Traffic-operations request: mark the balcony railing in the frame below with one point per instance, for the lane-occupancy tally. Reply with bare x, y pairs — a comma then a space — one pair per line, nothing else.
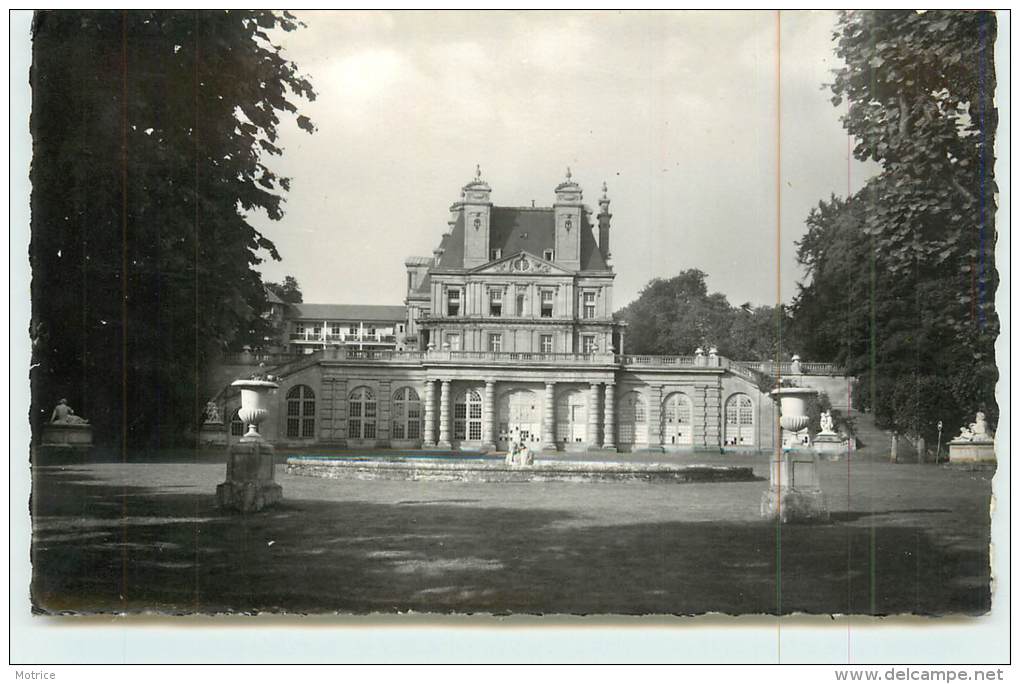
786, 368
511, 358
672, 361
335, 339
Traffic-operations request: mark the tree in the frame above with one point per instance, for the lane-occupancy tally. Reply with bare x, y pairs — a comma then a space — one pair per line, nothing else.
900, 278
289, 291
677, 315
152, 132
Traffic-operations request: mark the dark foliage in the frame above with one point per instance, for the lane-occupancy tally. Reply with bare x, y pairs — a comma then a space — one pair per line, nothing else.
901, 277
151, 131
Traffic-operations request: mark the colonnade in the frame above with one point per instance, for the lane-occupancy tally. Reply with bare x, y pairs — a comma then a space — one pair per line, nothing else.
606, 439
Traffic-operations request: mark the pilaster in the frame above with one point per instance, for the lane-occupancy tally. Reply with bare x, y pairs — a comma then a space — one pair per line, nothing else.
593, 416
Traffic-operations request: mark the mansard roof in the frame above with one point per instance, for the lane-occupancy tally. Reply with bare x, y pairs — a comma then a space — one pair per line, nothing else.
521, 229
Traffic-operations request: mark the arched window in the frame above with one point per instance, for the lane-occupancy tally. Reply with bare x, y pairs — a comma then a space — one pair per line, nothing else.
739, 421
236, 426
467, 416
677, 413
301, 412
633, 427
361, 412
406, 414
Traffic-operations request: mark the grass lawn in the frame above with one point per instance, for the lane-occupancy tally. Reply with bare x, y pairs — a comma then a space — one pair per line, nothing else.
146, 536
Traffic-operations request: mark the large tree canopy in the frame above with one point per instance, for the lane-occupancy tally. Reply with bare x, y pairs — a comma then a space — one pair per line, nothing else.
151, 134
677, 315
901, 280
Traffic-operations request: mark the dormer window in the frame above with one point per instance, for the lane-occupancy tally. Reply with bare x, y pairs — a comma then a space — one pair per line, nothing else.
495, 254
453, 303
549, 255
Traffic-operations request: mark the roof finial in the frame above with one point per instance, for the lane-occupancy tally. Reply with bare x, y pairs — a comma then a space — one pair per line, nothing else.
605, 190
569, 175
478, 172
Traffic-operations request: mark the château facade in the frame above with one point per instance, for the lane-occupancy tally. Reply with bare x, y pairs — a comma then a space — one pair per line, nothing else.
510, 330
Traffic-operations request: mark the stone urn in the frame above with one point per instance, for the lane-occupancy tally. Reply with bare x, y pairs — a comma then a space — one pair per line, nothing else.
794, 408
795, 491
254, 405
250, 485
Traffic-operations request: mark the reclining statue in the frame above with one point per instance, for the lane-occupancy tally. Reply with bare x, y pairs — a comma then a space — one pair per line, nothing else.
64, 415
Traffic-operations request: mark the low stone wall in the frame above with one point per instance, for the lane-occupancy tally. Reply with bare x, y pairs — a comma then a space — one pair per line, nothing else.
482, 471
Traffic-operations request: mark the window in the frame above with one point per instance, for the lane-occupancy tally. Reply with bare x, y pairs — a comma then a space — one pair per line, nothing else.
453, 341
547, 344
301, 412
361, 412
549, 255
400, 328
334, 329
406, 414
739, 421
317, 331
236, 426
352, 331
589, 304
467, 416
676, 420
495, 254
453, 303
520, 304
495, 342
587, 344
495, 302
547, 304
299, 328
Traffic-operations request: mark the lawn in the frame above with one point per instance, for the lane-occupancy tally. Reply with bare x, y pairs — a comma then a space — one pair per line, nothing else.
146, 536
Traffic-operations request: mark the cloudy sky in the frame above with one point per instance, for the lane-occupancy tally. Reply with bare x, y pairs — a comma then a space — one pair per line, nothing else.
676, 111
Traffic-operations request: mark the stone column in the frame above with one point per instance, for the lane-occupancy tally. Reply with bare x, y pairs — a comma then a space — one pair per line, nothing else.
444, 415
430, 413
489, 416
655, 419
549, 418
593, 416
609, 418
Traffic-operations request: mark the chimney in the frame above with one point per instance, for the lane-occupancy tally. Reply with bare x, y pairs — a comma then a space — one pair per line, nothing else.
604, 217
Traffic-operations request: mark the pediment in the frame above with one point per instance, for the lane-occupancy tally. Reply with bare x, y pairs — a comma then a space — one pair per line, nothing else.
522, 263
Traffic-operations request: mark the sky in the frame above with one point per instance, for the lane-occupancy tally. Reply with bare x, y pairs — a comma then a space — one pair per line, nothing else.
675, 111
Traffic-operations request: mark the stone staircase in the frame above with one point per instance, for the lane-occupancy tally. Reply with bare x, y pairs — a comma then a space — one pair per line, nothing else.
874, 443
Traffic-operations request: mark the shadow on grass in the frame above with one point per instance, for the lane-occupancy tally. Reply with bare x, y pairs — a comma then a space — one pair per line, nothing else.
101, 548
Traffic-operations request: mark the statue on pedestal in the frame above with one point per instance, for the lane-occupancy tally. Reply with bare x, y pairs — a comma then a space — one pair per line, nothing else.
976, 431
212, 413
64, 415
827, 424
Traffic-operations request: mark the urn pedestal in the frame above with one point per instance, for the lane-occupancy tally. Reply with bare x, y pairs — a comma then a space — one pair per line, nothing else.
795, 491
251, 483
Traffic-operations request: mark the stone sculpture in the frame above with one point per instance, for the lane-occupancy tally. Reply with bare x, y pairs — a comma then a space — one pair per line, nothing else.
64, 415
827, 424
212, 412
